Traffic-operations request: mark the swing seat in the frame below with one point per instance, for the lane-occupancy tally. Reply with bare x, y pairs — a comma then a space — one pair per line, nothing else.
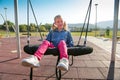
75, 51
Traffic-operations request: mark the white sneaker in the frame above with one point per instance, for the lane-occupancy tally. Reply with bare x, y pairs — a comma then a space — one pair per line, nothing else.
31, 61
63, 64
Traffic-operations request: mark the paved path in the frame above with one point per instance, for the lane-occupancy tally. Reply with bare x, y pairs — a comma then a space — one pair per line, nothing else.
105, 43
94, 66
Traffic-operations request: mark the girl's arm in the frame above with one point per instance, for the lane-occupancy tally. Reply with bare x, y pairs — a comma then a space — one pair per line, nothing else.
49, 36
69, 40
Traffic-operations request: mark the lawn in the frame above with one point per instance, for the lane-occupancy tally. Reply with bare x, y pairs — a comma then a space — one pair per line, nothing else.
12, 34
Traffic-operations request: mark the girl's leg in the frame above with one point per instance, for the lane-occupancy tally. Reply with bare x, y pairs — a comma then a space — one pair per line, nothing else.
63, 63
63, 49
33, 61
42, 48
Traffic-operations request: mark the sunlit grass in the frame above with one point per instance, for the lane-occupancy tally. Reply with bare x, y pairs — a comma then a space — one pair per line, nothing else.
13, 34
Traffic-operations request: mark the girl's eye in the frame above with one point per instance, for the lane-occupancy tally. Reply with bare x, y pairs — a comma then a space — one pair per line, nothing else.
57, 21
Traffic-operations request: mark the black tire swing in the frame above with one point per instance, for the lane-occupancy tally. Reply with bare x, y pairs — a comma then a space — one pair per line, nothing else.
77, 50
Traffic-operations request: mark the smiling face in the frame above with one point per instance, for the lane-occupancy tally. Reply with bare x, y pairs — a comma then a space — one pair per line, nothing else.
58, 22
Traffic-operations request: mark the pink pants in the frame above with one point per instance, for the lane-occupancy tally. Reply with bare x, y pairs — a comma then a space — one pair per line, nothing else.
43, 47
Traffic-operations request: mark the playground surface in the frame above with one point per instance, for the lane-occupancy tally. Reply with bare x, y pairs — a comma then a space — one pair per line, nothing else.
94, 66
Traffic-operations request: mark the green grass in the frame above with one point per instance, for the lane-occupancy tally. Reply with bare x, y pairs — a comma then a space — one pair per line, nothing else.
89, 33
4, 33
13, 34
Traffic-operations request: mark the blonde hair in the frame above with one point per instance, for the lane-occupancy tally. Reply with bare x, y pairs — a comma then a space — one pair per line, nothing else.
65, 27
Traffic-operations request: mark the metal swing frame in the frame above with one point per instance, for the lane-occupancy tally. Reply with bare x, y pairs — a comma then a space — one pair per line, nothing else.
57, 71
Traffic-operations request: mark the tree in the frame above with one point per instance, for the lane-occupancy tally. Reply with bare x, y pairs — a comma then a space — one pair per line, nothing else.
23, 27
9, 26
42, 28
108, 31
32, 27
8, 23
48, 26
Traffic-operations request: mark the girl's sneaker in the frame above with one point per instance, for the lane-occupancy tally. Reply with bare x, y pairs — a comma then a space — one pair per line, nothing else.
31, 61
63, 64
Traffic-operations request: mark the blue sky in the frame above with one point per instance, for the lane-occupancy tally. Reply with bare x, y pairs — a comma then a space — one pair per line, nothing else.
73, 11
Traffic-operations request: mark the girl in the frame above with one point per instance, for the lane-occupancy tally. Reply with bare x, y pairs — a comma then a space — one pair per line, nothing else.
58, 37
